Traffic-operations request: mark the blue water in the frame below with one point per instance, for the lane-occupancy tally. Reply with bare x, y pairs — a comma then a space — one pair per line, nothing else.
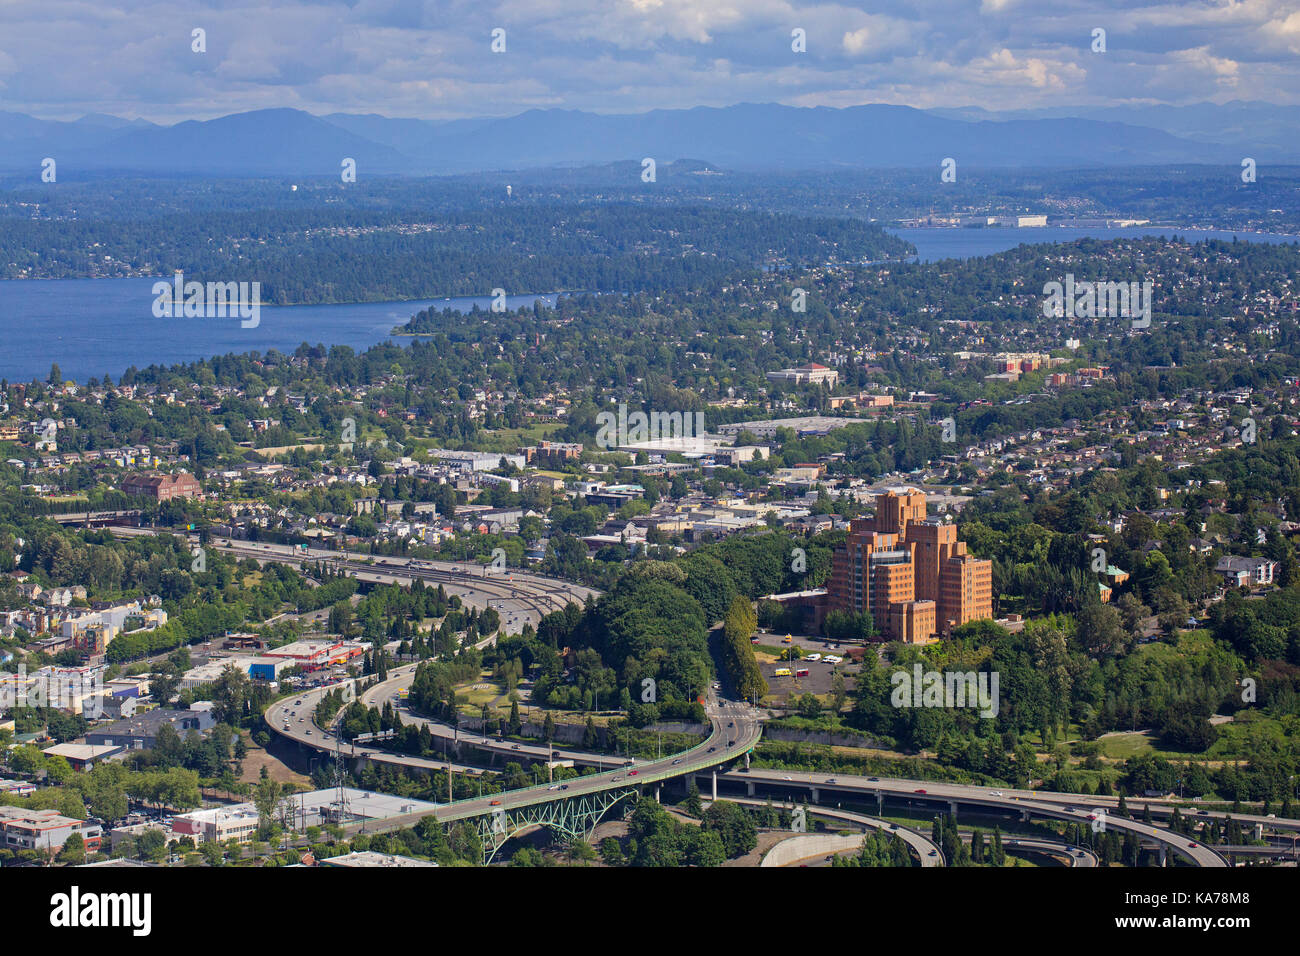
95, 327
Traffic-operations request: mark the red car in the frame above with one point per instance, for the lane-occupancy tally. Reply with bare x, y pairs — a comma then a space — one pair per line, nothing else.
918, 791
633, 773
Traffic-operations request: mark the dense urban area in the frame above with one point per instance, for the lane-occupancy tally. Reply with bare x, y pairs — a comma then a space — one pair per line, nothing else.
770, 545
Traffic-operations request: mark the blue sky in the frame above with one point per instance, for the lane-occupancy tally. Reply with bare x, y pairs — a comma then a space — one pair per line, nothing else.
63, 58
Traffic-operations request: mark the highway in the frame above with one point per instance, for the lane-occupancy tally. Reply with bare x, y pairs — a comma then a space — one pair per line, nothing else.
1026, 803
1073, 855
735, 728
519, 596
401, 676
926, 851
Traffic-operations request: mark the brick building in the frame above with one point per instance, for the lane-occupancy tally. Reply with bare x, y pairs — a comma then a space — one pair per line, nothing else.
909, 571
162, 487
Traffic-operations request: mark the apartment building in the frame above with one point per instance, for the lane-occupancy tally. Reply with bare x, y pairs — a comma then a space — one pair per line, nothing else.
909, 571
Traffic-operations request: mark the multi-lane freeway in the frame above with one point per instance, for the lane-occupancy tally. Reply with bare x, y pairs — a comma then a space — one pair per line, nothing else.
1028, 804
518, 596
926, 851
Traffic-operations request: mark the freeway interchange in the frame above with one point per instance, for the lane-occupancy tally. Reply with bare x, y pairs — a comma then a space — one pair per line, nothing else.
734, 727
734, 730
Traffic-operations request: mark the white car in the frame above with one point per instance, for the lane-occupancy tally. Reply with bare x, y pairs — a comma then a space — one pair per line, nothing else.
831, 659
814, 658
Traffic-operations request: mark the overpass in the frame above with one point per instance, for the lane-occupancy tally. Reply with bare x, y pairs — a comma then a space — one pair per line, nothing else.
99, 519
572, 807
954, 795
926, 850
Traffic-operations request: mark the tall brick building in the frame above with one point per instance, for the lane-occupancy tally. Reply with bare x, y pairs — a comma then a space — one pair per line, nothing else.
909, 571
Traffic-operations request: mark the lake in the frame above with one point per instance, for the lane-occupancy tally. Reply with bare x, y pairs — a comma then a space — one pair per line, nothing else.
96, 327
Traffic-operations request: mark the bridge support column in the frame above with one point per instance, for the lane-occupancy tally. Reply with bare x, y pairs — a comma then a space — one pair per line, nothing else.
657, 793
1164, 854
1024, 816
715, 785
815, 798
749, 787
952, 807
746, 759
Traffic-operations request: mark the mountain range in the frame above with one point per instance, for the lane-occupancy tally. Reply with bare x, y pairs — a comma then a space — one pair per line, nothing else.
289, 142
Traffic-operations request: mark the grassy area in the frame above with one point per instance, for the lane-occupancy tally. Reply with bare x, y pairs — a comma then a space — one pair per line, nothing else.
1123, 746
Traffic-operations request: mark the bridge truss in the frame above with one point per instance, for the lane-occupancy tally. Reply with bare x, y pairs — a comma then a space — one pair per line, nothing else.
572, 819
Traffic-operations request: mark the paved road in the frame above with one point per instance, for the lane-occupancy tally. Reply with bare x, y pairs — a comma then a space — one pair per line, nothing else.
1073, 855
1029, 805
402, 676
735, 728
929, 854
519, 596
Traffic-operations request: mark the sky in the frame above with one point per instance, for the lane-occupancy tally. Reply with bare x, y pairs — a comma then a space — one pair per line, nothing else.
432, 59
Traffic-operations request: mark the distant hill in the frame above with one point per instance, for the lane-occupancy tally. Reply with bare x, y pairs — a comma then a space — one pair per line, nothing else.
747, 136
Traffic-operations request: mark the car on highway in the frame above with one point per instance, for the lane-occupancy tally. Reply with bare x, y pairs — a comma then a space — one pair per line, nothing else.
998, 793
831, 780
1192, 845
494, 803
874, 779
515, 747
787, 778
674, 763
564, 786
731, 743
286, 726
731, 723
711, 749
556, 787
933, 853
633, 773
309, 733
918, 791
616, 779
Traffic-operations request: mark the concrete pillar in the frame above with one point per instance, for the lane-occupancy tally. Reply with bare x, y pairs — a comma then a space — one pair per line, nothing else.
952, 807
814, 795
1024, 816
749, 788
715, 785
656, 793
1164, 852
746, 759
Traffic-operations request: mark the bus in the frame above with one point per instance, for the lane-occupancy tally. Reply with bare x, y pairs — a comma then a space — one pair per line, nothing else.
781, 672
